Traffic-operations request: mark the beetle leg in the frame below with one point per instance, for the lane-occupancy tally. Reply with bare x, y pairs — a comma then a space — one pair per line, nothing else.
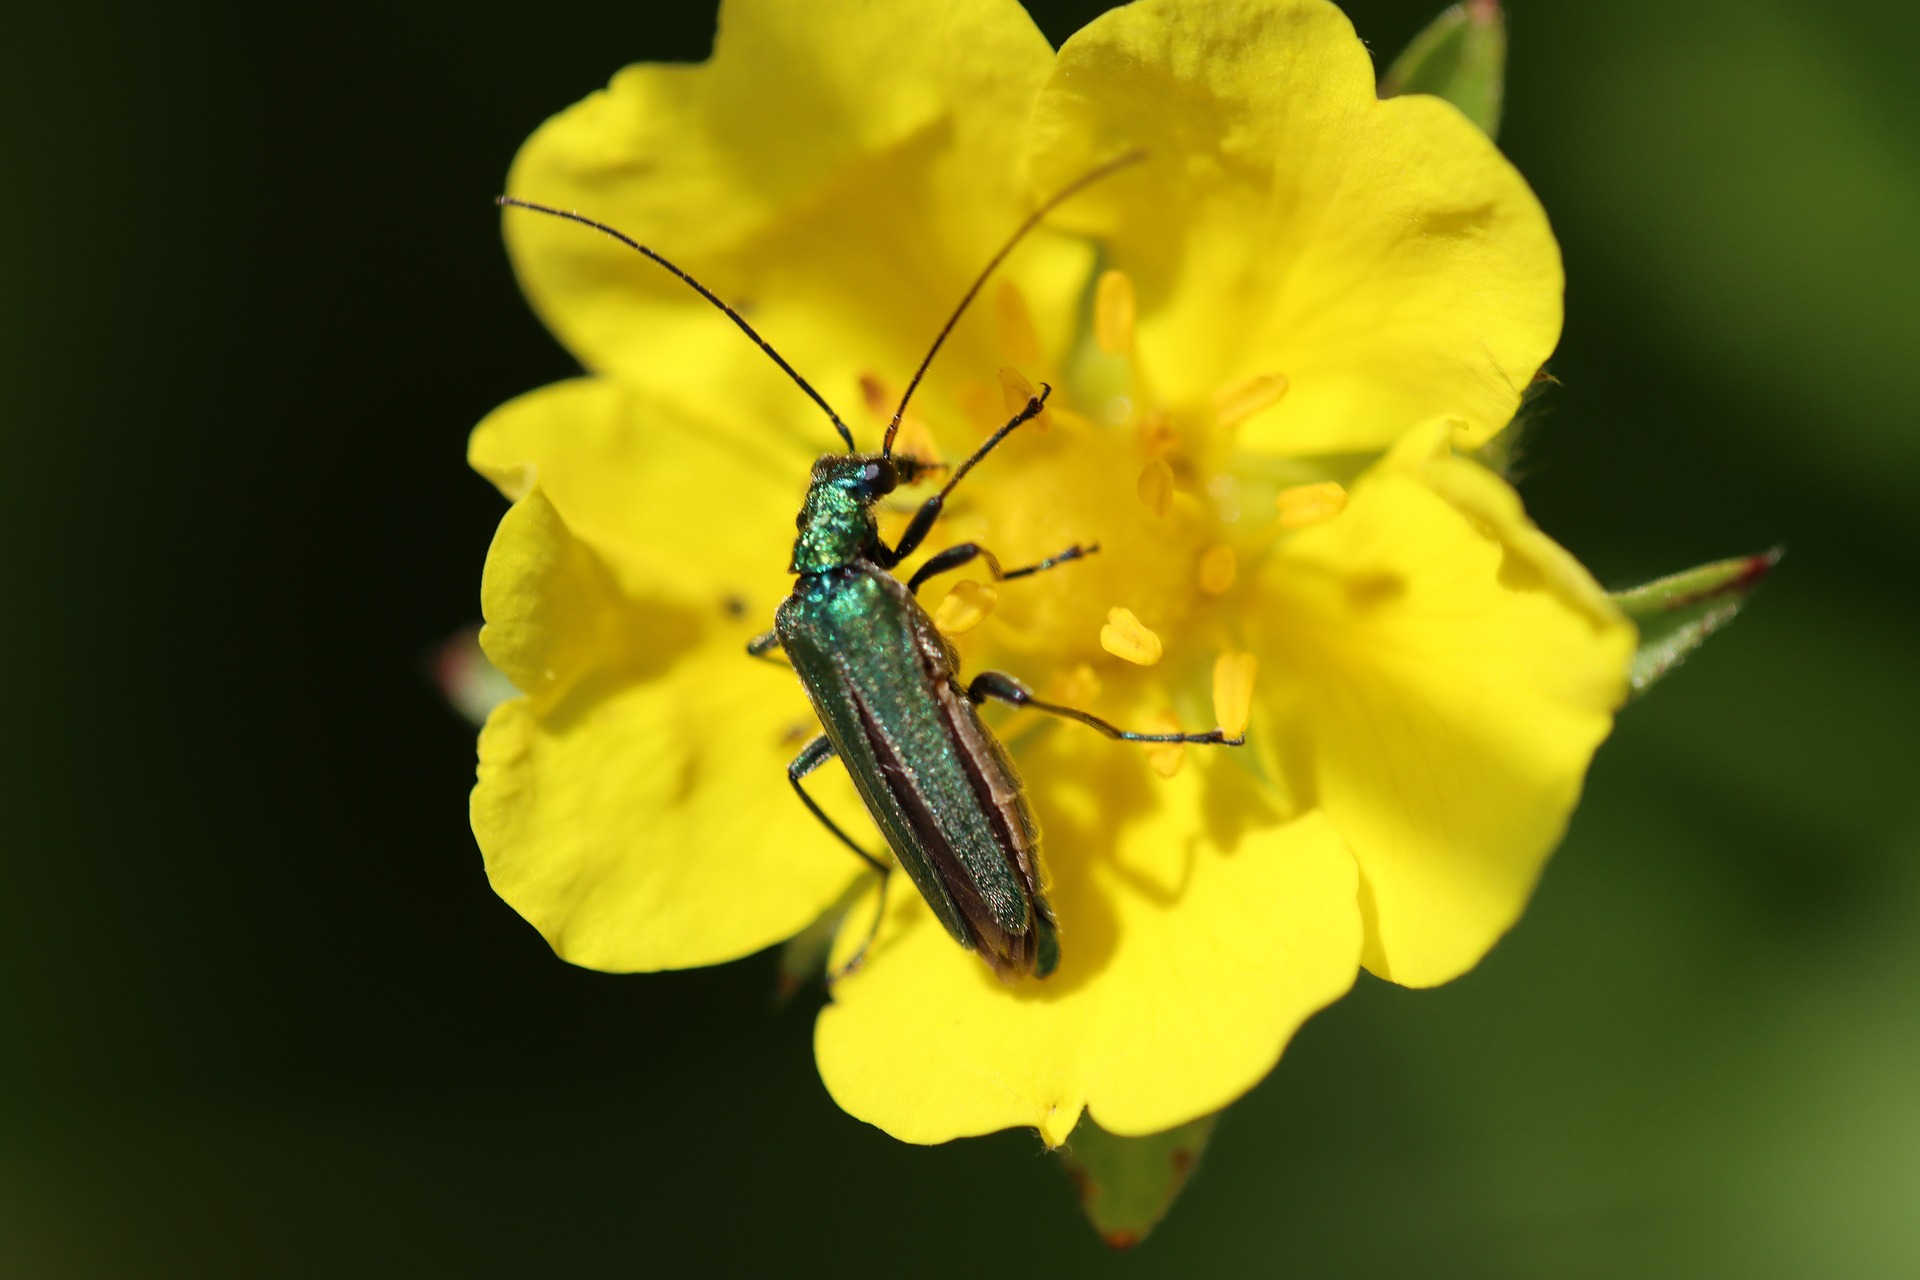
1002, 687
953, 557
873, 931
762, 645
930, 509
811, 757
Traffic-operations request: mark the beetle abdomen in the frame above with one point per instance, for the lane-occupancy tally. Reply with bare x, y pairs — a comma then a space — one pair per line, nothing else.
937, 784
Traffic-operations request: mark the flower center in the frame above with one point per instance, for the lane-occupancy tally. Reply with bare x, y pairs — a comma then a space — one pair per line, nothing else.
1079, 484
1105, 467
1152, 618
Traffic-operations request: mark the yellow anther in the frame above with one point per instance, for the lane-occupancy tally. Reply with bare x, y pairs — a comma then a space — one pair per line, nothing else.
1218, 568
1165, 757
1113, 313
916, 441
980, 402
877, 395
1077, 687
1306, 504
1157, 433
1016, 391
1019, 340
965, 607
1125, 636
1238, 401
1233, 675
1155, 486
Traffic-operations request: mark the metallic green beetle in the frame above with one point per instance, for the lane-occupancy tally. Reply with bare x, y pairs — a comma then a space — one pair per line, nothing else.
886, 684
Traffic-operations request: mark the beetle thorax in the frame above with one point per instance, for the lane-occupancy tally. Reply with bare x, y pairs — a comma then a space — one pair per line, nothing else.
836, 521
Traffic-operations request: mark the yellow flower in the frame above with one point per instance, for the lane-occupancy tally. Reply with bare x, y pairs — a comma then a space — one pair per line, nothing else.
1269, 338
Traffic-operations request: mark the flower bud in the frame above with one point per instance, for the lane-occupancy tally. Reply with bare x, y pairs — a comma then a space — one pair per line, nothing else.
1462, 57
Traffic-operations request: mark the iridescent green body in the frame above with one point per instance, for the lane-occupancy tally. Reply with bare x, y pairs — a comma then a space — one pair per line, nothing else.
885, 684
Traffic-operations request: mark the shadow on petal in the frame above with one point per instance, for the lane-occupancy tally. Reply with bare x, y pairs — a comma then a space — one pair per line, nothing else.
645, 639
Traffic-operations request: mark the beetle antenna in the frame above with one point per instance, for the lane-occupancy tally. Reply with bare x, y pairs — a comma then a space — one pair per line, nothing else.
845, 435
1047, 206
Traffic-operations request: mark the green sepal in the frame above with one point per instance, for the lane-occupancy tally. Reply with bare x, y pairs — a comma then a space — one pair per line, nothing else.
803, 957
1677, 613
1505, 453
471, 685
1126, 1185
1462, 57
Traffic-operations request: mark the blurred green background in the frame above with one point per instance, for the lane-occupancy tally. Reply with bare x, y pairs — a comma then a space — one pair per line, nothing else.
263, 1016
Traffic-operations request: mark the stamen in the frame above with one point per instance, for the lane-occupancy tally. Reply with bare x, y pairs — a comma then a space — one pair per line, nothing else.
1017, 391
1077, 687
1019, 340
1218, 568
965, 607
1165, 757
1306, 504
1125, 636
980, 403
1157, 433
878, 398
1114, 311
1155, 486
916, 441
1233, 675
1238, 401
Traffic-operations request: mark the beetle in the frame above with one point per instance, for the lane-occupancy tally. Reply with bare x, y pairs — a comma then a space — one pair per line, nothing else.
885, 683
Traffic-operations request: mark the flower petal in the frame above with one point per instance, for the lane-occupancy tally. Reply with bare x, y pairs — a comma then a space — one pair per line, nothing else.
683, 501
838, 170
632, 806
551, 606
1197, 935
1382, 257
1444, 673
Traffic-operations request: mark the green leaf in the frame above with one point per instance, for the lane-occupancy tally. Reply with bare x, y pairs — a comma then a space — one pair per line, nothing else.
1127, 1184
1677, 613
1462, 57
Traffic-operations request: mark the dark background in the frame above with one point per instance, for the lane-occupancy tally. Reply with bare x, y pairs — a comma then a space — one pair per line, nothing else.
262, 1015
